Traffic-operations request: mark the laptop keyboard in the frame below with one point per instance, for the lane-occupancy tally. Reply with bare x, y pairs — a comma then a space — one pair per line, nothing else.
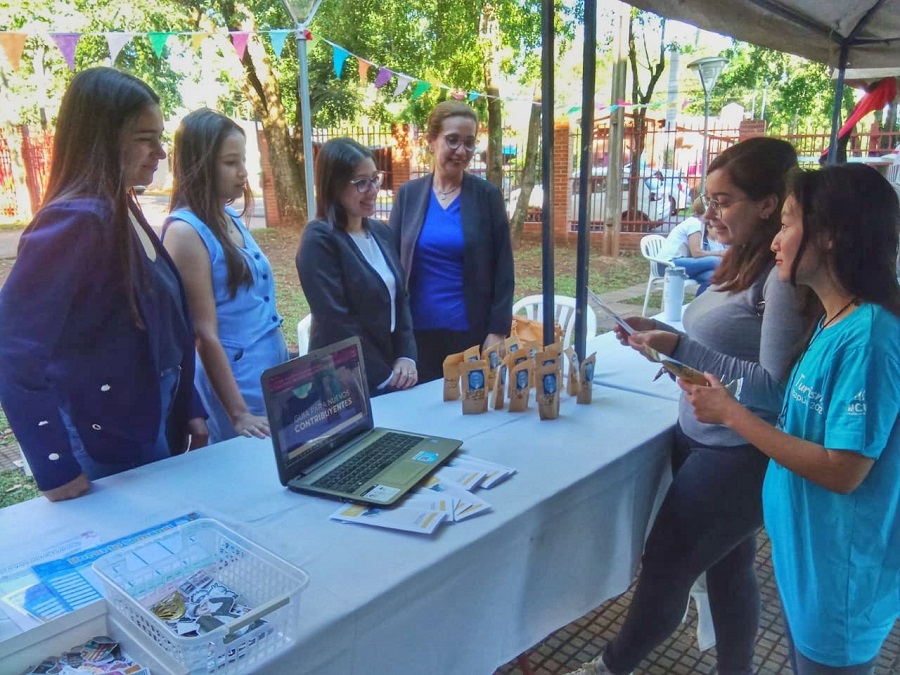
365, 465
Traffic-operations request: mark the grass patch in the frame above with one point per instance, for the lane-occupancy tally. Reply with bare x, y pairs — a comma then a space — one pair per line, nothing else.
12, 227
16, 487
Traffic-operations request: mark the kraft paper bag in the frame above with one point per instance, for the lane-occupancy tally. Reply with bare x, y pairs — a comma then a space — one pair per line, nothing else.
451, 376
473, 353
474, 387
520, 385
498, 394
547, 377
492, 356
586, 395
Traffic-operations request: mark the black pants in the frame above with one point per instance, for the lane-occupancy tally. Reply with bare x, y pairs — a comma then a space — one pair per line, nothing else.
433, 346
707, 523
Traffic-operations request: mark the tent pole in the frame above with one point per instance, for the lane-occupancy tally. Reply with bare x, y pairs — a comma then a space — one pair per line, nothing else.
547, 97
836, 110
584, 191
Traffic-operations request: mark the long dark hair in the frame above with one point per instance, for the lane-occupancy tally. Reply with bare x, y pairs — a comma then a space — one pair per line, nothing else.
759, 167
335, 164
87, 158
856, 209
198, 142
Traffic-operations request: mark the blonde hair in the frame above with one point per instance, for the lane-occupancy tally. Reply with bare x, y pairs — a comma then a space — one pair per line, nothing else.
697, 207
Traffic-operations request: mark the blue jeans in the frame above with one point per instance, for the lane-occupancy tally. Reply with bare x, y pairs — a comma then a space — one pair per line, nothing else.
804, 666
699, 269
149, 452
707, 523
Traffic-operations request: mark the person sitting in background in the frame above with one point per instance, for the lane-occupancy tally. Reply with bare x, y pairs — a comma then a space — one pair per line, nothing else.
96, 341
684, 248
229, 282
349, 270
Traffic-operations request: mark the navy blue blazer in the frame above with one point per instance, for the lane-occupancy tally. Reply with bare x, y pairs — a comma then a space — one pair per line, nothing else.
488, 272
348, 297
68, 340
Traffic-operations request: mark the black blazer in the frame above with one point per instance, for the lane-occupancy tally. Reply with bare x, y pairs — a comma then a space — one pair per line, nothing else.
348, 297
488, 275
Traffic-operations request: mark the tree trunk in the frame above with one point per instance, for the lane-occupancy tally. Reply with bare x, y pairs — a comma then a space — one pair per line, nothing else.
490, 34
528, 170
261, 88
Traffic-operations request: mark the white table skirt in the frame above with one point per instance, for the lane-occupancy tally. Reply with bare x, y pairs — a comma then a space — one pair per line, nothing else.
565, 533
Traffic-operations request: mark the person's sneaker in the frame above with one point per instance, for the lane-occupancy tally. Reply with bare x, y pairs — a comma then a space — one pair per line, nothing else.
595, 667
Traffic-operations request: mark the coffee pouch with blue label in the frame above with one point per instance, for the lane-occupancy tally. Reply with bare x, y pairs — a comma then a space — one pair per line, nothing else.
586, 395
520, 376
573, 383
451, 376
547, 394
474, 386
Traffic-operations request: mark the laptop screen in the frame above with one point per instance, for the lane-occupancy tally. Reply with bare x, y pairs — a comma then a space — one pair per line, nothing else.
317, 404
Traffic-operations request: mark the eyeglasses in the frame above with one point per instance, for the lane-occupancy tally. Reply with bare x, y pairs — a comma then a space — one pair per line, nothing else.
716, 206
453, 141
362, 184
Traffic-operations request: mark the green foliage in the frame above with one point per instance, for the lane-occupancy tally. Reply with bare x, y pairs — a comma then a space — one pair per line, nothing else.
799, 93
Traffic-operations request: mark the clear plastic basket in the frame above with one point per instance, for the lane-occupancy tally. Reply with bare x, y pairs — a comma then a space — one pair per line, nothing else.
154, 567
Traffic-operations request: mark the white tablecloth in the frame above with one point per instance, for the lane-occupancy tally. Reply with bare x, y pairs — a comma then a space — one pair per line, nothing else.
565, 533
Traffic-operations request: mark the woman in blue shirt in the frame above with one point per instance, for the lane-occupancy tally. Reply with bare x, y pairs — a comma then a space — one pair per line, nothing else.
228, 279
96, 342
452, 235
832, 494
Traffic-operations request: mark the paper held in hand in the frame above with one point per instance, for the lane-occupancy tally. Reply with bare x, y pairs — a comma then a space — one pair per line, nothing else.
610, 312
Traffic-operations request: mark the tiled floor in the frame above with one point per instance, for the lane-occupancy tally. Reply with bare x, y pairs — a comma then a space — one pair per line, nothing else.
583, 639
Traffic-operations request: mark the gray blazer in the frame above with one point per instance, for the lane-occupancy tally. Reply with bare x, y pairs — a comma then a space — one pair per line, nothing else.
488, 274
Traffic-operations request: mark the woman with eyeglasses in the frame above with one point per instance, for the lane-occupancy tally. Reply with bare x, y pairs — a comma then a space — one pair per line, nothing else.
832, 492
349, 270
452, 235
743, 329
228, 279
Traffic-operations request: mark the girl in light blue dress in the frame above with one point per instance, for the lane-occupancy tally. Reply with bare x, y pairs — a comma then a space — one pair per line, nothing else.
229, 282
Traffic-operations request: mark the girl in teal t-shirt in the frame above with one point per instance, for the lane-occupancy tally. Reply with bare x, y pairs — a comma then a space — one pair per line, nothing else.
832, 494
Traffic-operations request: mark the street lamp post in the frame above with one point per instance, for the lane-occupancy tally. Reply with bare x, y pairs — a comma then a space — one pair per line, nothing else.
708, 70
301, 13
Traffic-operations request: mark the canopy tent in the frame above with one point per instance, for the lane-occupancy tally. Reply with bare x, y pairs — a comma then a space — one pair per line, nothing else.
857, 33
813, 29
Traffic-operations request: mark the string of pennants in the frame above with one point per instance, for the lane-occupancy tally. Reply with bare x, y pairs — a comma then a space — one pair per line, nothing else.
13, 45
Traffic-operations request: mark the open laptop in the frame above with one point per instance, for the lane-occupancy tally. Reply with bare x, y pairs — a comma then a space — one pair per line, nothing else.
324, 436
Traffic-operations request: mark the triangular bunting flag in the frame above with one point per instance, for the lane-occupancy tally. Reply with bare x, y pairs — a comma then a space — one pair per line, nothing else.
458, 95
278, 37
473, 96
197, 40
402, 83
239, 40
383, 76
421, 88
116, 41
363, 69
313, 40
158, 41
340, 55
67, 42
13, 44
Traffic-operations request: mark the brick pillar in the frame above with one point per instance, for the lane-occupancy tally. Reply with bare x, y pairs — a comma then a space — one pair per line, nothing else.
273, 216
750, 128
562, 185
401, 156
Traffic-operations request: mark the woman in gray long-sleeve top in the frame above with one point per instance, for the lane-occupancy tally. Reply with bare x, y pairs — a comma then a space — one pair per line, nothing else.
744, 328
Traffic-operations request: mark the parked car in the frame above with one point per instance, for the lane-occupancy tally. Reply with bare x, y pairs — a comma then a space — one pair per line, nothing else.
659, 196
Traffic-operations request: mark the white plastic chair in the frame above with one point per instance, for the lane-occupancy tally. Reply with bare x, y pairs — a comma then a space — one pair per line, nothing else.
564, 314
651, 245
303, 334
893, 171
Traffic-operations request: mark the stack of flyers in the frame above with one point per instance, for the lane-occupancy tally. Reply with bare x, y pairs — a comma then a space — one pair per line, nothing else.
423, 520
444, 496
493, 473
